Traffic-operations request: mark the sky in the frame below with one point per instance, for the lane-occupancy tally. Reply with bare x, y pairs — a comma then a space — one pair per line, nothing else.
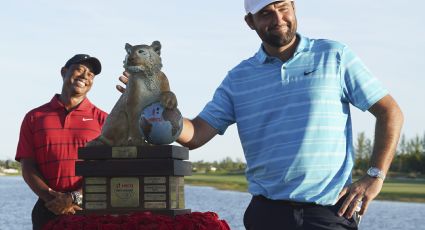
201, 41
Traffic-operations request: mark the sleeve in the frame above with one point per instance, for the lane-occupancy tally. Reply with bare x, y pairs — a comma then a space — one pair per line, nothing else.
25, 147
360, 87
102, 118
219, 112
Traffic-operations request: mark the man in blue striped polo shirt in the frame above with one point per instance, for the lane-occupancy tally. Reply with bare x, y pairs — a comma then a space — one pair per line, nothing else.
290, 102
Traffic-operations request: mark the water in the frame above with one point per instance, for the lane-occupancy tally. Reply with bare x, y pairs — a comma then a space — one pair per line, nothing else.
17, 200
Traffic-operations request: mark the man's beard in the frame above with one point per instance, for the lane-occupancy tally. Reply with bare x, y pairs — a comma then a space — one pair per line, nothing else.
280, 40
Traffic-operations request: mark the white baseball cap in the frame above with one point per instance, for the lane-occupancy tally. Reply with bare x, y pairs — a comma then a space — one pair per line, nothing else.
253, 6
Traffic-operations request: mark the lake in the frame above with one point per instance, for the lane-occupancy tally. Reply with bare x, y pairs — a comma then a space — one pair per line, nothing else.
17, 200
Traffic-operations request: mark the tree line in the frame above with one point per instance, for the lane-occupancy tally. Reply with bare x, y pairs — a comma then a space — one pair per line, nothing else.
226, 165
10, 164
409, 157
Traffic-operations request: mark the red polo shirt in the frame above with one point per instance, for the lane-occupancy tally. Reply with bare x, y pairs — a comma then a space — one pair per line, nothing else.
52, 136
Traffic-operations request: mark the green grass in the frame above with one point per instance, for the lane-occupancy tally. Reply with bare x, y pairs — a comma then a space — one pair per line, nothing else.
403, 190
407, 190
220, 181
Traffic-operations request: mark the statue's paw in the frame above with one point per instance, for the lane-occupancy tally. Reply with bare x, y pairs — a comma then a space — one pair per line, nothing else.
169, 100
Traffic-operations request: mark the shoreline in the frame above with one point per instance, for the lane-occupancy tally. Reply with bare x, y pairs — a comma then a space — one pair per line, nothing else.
10, 174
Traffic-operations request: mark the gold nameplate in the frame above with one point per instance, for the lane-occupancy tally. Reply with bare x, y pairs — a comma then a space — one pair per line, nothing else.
95, 205
125, 192
155, 196
124, 152
154, 188
95, 180
95, 197
95, 188
153, 205
155, 180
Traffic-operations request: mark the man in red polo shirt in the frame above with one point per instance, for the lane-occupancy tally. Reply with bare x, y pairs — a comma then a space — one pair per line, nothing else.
50, 137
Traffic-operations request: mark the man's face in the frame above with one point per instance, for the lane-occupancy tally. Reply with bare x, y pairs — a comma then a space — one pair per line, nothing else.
276, 24
78, 79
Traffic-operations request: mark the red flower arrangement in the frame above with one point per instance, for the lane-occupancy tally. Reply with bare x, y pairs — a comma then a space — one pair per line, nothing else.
139, 221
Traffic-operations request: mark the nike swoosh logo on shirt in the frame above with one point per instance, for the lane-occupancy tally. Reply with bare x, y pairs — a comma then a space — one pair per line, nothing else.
307, 72
87, 119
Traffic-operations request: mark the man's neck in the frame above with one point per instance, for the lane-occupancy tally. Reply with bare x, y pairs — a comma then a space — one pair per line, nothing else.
70, 102
284, 53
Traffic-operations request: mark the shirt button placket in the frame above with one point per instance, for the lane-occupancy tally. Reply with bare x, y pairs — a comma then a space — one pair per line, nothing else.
284, 75
67, 120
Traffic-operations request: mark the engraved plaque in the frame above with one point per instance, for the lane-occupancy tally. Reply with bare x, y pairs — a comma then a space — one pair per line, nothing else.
155, 205
125, 192
155, 180
154, 188
95, 180
95, 197
95, 205
124, 152
155, 196
95, 188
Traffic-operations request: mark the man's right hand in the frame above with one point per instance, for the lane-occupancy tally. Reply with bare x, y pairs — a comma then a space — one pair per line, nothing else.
124, 80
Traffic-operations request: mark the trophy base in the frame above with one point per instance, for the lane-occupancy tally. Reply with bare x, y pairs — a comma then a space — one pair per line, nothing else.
123, 180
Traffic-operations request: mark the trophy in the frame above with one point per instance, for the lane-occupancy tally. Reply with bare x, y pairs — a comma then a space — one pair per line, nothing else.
131, 166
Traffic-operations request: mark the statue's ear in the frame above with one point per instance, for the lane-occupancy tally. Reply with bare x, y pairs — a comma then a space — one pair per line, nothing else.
156, 45
128, 48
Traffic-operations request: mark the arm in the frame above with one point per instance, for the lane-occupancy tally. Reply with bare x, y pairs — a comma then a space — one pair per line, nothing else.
389, 120
56, 202
34, 179
196, 133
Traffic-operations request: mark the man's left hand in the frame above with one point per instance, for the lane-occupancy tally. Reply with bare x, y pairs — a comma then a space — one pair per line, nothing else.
359, 194
72, 209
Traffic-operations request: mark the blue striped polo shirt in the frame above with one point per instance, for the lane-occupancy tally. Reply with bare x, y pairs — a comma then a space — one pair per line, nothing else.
293, 118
